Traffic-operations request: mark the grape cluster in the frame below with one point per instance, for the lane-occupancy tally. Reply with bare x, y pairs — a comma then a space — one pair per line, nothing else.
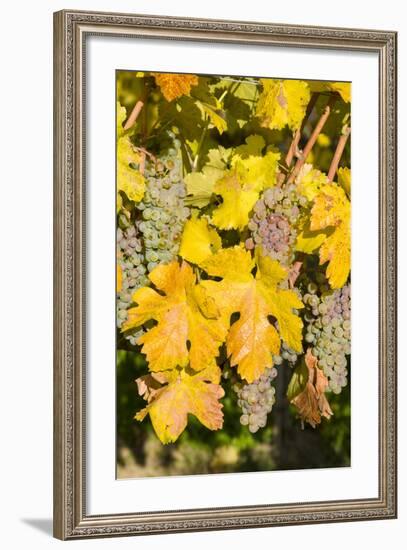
286, 354
130, 258
256, 400
328, 330
163, 210
272, 225
149, 233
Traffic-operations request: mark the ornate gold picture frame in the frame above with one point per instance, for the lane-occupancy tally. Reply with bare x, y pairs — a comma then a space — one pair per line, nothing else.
71, 31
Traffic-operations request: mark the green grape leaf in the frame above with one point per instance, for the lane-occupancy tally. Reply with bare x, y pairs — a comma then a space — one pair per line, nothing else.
298, 380
215, 115
184, 115
200, 185
237, 111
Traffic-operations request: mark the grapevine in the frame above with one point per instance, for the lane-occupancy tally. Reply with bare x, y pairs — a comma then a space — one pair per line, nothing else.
233, 247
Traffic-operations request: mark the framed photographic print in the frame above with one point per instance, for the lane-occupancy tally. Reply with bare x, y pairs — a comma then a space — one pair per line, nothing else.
225, 274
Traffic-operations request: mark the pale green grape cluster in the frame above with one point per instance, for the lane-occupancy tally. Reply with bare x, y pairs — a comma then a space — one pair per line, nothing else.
328, 330
130, 258
163, 210
256, 400
149, 233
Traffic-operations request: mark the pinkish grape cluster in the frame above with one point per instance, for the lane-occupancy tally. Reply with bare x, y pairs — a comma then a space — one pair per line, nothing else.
272, 225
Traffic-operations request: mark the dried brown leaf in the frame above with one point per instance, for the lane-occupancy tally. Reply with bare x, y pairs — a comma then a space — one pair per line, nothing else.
312, 403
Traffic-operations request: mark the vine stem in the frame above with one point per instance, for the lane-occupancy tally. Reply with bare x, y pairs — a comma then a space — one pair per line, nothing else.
294, 273
313, 138
338, 153
147, 153
200, 144
142, 165
297, 136
186, 154
293, 147
134, 115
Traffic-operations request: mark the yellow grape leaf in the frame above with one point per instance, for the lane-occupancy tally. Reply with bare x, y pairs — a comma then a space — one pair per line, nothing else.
119, 202
121, 115
200, 184
344, 179
215, 116
343, 88
309, 241
198, 241
185, 315
336, 251
257, 171
200, 187
173, 86
119, 278
331, 209
309, 181
183, 393
129, 179
240, 188
253, 339
253, 147
282, 103
312, 403
238, 201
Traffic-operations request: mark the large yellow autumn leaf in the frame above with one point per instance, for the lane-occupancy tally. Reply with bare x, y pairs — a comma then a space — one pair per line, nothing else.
331, 209
253, 339
189, 327
183, 393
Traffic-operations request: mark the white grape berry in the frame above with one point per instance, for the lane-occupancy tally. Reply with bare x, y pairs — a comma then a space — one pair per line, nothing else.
256, 400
